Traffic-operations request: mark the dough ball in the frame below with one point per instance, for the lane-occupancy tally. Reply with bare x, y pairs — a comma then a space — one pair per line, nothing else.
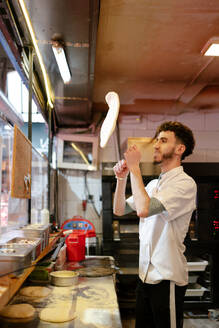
60, 313
18, 311
35, 291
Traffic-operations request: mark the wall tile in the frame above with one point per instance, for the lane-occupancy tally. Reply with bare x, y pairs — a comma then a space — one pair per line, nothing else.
141, 133
108, 154
199, 155
153, 121
141, 125
195, 121
110, 142
212, 155
207, 139
211, 121
72, 192
124, 134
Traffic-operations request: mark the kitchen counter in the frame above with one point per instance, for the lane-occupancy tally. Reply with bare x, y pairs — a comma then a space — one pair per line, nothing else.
96, 306
95, 302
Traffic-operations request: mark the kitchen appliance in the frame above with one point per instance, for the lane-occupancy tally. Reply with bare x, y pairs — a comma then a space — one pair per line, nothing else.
79, 225
75, 247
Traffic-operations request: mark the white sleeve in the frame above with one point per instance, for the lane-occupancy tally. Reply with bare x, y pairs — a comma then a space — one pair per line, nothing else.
130, 202
178, 198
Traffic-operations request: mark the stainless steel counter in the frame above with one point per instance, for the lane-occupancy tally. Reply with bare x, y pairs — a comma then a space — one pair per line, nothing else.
95, 302
96, 306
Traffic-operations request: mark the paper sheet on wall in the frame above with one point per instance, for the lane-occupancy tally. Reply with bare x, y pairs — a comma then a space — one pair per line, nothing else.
21, 166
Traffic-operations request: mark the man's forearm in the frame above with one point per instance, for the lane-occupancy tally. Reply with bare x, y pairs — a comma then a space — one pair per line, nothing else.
119, 197
141, 198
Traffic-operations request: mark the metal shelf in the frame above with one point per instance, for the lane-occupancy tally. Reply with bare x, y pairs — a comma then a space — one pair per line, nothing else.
9, 284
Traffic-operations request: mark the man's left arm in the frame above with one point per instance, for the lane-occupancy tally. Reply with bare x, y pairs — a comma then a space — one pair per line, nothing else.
141, 197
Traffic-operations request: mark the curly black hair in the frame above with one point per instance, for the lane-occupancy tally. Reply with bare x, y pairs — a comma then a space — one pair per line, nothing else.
182, 133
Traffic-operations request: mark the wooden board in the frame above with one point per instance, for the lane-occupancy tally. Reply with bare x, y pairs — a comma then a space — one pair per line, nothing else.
21, 167
145, 146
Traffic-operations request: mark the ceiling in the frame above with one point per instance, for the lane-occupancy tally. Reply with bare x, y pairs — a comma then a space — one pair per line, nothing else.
149, 52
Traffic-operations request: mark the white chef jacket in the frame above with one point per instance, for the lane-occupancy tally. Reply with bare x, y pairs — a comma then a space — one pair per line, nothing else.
161, 255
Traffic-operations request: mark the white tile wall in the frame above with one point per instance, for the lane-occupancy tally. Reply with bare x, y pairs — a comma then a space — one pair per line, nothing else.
134, 125
194, 121
72, 191
143, 133
197, 156
207, 139
212, 155
107, 154
153, 121
211, 121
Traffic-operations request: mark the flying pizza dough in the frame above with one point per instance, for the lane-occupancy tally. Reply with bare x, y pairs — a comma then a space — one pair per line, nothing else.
108, 126
35, 291
60, 313
18, 311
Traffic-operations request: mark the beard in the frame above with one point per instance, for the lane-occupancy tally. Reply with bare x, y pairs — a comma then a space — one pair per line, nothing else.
166, 156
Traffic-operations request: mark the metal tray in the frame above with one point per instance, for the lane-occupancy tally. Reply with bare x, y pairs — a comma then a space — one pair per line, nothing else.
37, 231
14, 257
36, 243
197, 264
195, 290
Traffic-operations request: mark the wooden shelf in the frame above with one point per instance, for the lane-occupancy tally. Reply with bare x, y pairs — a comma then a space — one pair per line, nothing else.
10, 284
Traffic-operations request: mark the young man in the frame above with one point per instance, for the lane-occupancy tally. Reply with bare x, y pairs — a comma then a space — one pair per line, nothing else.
164, 207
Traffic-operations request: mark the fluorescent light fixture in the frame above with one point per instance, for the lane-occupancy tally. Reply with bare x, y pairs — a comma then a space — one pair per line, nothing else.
80, 152
211, 48
33, 37
130, 119
62, 63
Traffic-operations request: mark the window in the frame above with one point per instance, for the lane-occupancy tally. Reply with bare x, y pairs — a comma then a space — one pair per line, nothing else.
17, 93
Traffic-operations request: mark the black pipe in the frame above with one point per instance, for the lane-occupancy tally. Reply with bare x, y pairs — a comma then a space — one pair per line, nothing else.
30, 113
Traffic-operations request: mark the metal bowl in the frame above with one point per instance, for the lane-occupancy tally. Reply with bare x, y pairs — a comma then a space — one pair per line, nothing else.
64, 278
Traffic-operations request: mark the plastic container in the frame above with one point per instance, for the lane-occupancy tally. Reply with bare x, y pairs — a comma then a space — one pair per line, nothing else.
75, 243
44, 216
34, 216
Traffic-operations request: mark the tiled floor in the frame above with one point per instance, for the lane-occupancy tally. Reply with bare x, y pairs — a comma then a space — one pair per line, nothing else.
200, 323
128, 321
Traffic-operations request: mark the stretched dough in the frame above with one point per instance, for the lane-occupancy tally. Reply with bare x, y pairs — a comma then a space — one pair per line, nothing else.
60, 313
18, 311
35, 291
108, 126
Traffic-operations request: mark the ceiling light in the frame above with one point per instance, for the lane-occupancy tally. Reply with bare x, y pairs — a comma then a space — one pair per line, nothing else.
33, 37
130, 119
211, 48
61, 61
80, 152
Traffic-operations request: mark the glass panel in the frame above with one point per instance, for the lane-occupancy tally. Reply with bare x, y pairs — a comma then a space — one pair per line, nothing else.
39, 188
77, 152
14, 211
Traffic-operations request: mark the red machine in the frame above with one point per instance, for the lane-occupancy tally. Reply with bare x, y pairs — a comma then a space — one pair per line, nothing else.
81, 235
